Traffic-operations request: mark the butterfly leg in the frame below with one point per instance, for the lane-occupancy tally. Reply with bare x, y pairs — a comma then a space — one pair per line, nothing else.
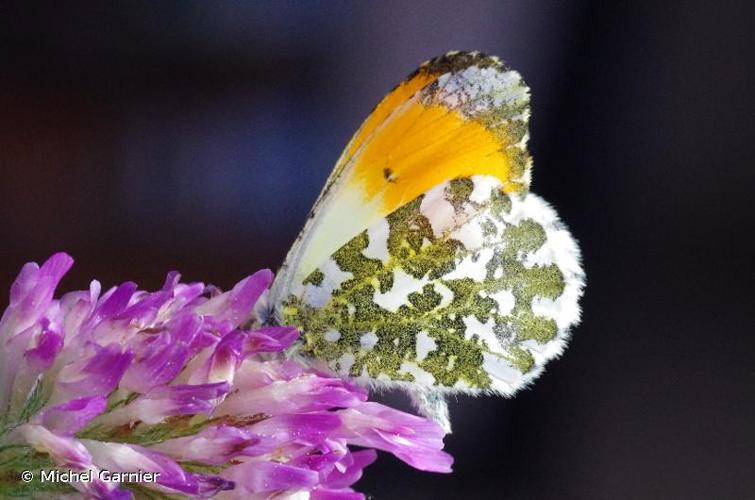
432, 404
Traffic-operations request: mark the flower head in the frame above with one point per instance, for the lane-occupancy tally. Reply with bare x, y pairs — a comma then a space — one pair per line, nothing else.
177, 383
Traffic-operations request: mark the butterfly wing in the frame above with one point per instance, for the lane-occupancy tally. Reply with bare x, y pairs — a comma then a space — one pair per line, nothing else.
458, 115
465, 287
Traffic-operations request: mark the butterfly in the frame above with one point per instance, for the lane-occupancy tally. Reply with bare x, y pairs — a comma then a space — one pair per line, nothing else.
426, 263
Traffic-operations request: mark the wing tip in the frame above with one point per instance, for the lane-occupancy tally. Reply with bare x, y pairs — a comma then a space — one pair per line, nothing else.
458, 60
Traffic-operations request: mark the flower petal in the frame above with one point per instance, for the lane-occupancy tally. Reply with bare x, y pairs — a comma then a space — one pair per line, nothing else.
264, 476
49, 344
307, 428
167, 401
96, 375
415, 440
236, 306
303, 394
222, 363
328, 494
114, 302
32, 292
69, 418
270, 339
102, 490
119, 457
158, 359
354, 464
213, 445
65, 451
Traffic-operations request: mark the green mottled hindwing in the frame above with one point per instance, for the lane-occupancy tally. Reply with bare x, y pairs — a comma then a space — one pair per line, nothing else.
463, 288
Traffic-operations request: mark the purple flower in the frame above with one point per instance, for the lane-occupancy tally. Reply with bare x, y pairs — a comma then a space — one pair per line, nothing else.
263, 476
65, 451
130, 458
30, 298
167, 401
97, 374
215, 445
69, 418
415, 440
32, 292
182, 383
236, 306
305, 393
160, 357
49, 342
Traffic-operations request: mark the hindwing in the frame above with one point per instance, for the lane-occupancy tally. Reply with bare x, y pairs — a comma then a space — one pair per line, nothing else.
465, 287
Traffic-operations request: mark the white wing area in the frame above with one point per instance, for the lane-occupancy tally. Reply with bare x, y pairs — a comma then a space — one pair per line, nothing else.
560, 249
465, 289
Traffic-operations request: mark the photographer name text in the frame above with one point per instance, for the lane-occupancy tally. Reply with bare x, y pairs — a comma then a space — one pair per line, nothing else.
87, 476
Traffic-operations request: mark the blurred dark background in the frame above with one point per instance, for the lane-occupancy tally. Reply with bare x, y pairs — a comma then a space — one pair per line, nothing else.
144, 137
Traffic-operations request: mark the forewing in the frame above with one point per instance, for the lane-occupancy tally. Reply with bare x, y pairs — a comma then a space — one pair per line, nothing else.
458, 115
465, 287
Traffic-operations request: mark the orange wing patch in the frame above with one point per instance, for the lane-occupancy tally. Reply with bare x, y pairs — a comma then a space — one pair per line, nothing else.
458, 115
398, 96
427, 73
411, 155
